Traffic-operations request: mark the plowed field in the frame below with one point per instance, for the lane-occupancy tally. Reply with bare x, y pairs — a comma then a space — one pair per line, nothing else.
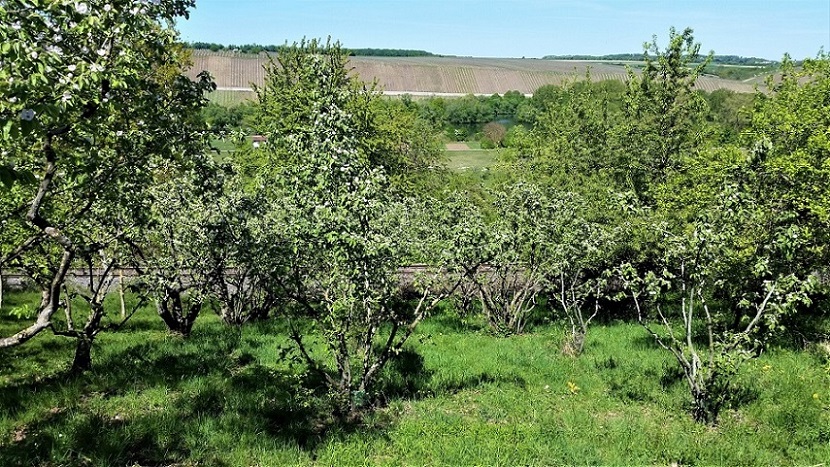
439, 74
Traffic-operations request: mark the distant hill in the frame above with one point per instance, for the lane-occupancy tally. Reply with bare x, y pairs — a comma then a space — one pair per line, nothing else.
716, 59
433, 74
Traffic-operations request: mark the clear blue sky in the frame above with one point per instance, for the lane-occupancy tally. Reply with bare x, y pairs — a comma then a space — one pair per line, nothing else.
516, 28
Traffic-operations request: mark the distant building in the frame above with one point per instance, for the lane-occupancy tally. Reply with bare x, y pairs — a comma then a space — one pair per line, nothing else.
258, 140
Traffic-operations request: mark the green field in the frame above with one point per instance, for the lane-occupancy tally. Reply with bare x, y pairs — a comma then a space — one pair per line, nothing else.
468, 155
229, 396
231, 98
474, 159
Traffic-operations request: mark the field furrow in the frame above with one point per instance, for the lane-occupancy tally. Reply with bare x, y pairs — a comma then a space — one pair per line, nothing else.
440, 74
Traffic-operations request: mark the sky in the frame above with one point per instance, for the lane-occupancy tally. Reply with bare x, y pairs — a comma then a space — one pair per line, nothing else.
520, 28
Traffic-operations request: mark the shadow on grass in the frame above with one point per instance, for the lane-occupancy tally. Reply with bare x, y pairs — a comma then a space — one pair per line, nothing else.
452, 322
166, 399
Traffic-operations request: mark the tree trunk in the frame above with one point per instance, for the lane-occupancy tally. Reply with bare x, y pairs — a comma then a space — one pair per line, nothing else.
704, 408
121, 293
1, 287
172, 312
83, 355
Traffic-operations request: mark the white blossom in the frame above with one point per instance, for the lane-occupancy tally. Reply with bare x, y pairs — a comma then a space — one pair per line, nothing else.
72, 67
82, 8
107, 7
33, 54
16, 25
66, 96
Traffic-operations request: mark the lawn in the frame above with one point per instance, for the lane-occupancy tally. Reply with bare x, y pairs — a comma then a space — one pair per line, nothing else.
470, 156
229, 98
457, 395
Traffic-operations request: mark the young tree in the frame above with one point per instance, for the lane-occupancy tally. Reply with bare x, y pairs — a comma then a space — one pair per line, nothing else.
174, 258
494, 134
92, 103
787, 167
663, 114
781, 167
511, 275
580, 251
236, 277
573, 141
683, 286
331, 231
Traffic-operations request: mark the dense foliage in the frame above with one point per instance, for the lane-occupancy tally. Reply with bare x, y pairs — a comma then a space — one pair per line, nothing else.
94, 110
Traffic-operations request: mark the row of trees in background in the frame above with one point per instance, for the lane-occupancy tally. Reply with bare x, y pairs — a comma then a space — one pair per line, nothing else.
640, 200
634, 57
258, 48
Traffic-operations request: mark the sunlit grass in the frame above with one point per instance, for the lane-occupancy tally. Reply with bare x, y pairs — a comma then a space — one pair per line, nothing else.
473, 159
457, 396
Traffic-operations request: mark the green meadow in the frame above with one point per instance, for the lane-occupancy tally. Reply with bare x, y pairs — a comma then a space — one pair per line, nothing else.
457, 395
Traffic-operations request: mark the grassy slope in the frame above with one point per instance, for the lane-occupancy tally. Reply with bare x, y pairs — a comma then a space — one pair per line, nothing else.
226, 397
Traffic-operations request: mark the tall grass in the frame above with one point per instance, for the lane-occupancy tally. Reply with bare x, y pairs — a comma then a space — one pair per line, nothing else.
457, 395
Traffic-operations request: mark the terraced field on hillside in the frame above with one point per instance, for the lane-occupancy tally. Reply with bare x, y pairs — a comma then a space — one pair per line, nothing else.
439, 74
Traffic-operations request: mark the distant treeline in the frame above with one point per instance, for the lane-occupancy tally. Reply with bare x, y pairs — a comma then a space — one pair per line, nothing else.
717, 59
257, 48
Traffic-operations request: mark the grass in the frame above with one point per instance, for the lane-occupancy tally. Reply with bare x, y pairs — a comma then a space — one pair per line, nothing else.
456, 396
472, 159
224, 146
231, 98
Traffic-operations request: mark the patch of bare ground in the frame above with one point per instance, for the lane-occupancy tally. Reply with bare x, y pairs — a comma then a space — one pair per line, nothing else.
457, 147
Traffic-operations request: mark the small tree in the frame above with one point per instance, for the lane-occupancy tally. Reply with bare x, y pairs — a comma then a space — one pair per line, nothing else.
99, 281
510, 278
663, 114
691, 270
336, 229
456, 237
576, 273
494, 132
174, 260
92, 101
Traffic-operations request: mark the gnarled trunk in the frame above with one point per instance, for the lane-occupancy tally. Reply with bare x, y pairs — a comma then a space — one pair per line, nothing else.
82, 361
178, 316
